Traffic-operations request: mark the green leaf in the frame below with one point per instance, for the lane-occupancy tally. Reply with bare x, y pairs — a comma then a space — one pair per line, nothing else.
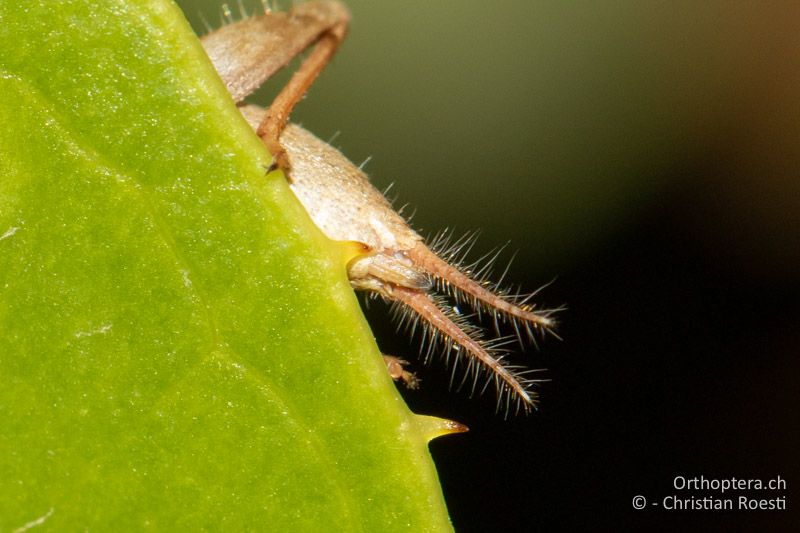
179, 345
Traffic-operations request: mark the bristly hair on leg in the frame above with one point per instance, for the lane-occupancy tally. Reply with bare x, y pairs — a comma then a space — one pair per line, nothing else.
471, 283
441, 327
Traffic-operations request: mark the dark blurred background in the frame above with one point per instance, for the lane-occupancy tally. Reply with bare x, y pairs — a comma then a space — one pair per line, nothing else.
644, 154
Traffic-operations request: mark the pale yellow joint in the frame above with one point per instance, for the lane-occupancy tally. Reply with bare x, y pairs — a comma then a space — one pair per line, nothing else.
432, 427
352, 250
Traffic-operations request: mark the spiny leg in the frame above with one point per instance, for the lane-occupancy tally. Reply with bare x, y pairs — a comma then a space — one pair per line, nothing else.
450, 275
422, 303
277, 116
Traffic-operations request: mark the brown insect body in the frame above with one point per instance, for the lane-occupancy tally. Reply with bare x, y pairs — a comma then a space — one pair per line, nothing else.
339, 198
